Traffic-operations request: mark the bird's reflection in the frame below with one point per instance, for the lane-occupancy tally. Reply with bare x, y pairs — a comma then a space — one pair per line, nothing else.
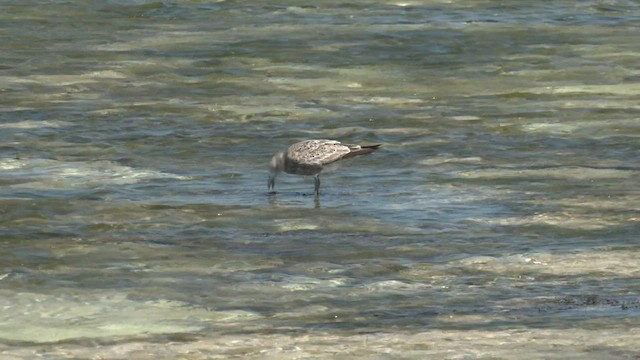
273, 199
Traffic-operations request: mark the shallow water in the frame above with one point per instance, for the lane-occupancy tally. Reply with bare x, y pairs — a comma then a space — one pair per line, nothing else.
500, 219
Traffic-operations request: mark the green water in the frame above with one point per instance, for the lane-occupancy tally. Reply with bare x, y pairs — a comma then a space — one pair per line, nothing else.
500, 218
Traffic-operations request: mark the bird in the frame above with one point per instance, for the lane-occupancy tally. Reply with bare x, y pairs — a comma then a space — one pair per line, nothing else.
311, 157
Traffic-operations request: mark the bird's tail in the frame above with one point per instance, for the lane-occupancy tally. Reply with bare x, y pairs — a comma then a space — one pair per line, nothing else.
361, 150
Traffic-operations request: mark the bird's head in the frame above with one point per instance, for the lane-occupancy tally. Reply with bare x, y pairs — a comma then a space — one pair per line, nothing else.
276, 165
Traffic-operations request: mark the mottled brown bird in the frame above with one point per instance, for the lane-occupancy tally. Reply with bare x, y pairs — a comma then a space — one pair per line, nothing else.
311, 157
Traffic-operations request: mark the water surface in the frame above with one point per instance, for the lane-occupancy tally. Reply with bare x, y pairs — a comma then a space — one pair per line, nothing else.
500, 219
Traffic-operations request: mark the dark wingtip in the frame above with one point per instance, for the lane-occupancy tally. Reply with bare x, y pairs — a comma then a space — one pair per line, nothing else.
364, 149
375, 146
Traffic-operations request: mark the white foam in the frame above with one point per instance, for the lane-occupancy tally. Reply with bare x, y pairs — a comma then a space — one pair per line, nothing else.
447, 158
565, 220
560, 172
47, 173
46, 318
615, 263
11, 164
34, 124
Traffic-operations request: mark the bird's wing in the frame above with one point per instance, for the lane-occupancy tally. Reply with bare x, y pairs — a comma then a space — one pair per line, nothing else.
321, 152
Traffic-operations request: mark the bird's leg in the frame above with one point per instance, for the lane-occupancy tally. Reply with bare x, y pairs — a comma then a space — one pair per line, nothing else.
271, 184
317, 187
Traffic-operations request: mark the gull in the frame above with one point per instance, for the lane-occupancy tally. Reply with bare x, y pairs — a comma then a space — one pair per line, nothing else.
311, 157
